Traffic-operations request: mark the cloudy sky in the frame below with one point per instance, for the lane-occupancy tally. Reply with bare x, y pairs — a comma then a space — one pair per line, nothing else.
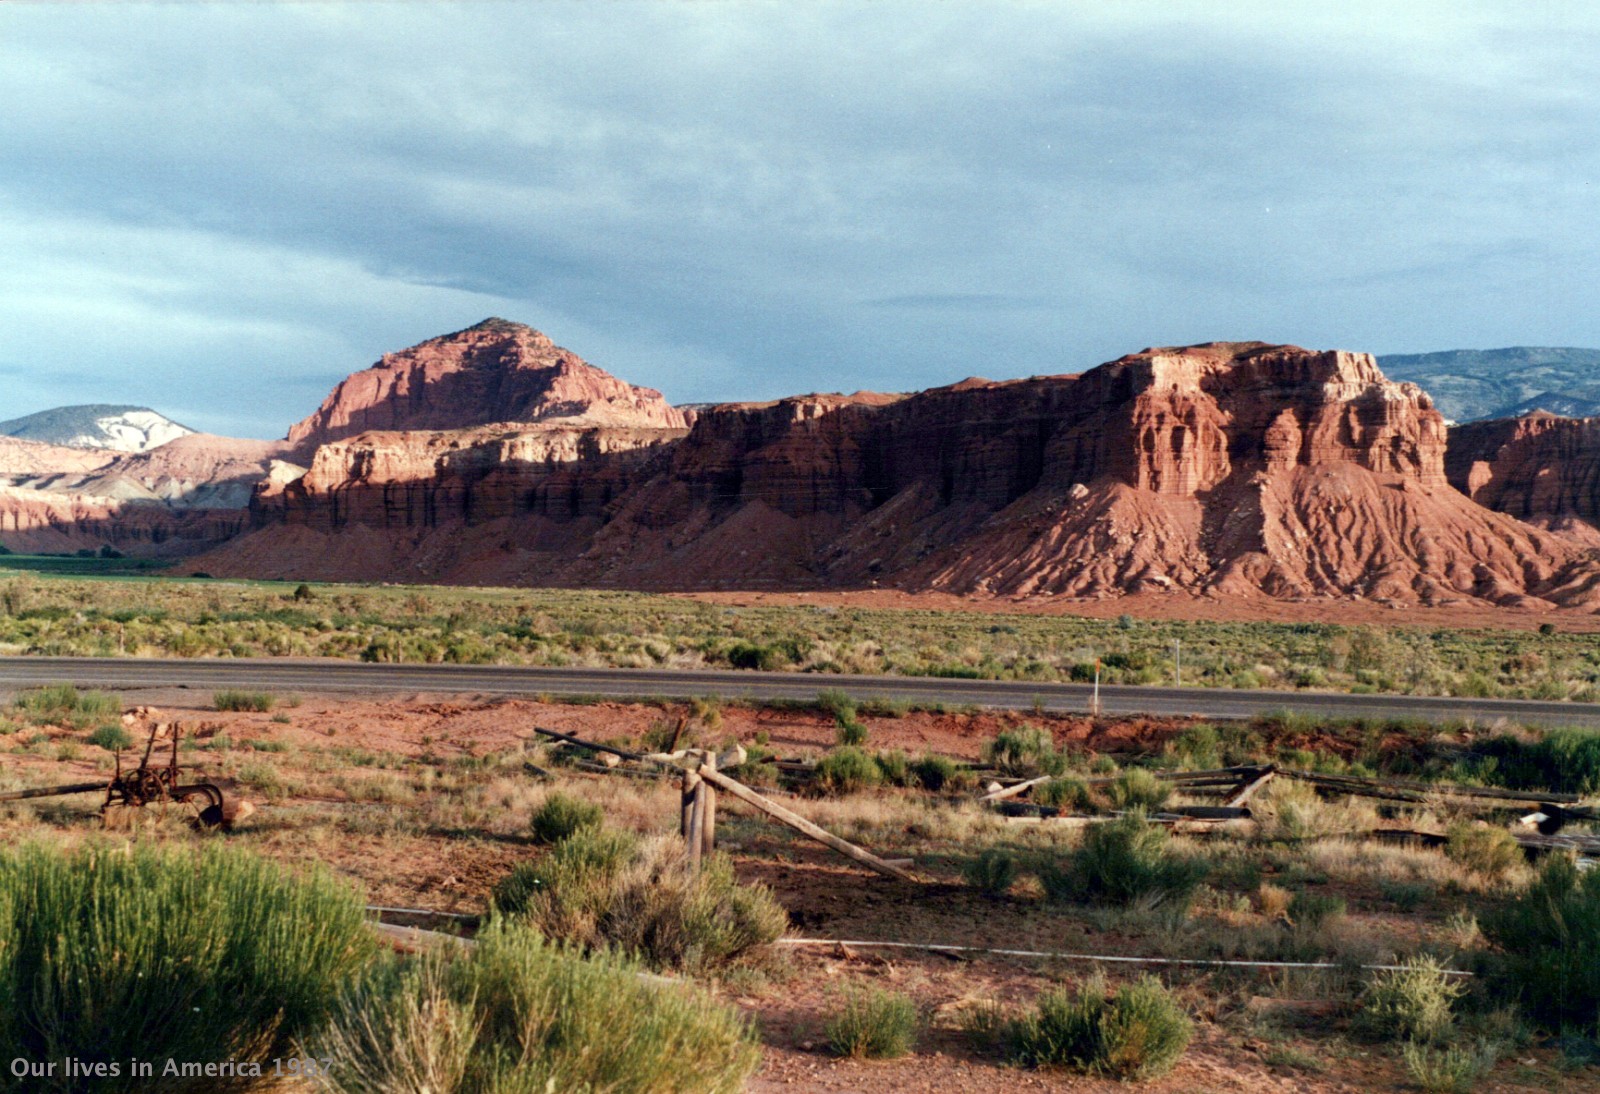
219, 210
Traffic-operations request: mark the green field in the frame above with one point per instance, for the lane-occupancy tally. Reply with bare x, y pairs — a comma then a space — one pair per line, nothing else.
90, 565
50, 613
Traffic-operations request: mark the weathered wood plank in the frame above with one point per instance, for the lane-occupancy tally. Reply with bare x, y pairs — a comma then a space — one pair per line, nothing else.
799, 823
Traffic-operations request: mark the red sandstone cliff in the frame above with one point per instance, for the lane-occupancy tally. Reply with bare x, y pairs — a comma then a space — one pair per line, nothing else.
418, 480
493, 372
1539, 468
1230, 469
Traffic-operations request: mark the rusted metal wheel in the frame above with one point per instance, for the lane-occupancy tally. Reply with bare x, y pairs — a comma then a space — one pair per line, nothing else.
207, 798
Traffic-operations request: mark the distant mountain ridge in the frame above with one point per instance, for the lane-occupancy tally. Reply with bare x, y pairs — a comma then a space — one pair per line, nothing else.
97, 425
1472, 384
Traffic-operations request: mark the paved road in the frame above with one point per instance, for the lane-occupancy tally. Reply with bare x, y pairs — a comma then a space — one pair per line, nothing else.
274, 674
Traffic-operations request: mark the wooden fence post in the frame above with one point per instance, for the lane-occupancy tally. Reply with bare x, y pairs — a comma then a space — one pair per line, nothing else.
694, 835
708, 808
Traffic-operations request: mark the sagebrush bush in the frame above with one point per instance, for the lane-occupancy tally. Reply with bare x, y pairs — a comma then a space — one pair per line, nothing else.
936, 773
560, 815
1308, 910
1137, 788
257, 701
1125, 861
604, 889
895, 766
1296, 814
1450, 1070
1563, 760
1549, 942
1136, 1032
65, 703
876, 1025
109, 954
111, 737
1413, 1003
1064, 793
837, 702
1024, 750
845, 770
849, 732
521, 1015
992, 873
1484, 850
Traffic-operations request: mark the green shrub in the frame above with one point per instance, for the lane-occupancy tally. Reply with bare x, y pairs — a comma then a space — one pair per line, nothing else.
258, 701
849, 732
845, 770
521, 1015
895, 766
1137, 788
1067, 794
561, 815
111, 737
1549, 940
604, 889
753, 655
1451, 1070
878, 1025
65, 703
1412, 1003
935, 773
1486, 851
992, 873
1125, 861
837, 702
158, 954
1309, 911
1563, 760
1137, 1032
1024, 750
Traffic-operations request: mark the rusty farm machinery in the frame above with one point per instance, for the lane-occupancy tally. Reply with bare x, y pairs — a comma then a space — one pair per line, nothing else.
159, 783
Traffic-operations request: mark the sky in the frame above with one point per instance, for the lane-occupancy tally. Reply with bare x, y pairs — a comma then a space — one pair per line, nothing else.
220, 210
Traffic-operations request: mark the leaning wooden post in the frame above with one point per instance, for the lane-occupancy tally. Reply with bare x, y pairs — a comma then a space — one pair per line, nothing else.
695, 837
708, 808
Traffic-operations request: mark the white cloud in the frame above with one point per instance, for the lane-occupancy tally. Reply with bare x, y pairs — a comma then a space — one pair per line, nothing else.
709, 198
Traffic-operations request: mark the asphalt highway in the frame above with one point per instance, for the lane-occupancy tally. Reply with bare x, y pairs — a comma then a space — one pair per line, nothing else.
332, 677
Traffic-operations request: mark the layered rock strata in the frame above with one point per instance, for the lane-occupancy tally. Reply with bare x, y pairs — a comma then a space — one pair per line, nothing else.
1539, 468
186, 496
1228, 469
495, 371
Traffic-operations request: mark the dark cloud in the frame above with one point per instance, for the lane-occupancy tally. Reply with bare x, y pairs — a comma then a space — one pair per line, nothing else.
742, 200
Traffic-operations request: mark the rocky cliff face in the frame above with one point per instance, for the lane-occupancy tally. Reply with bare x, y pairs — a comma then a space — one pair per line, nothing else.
490, 373
420, 480
1229, 469
1539, 468
190, 494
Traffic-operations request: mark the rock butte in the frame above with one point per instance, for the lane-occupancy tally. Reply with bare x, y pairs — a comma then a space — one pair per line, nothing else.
1235, 471
492, 372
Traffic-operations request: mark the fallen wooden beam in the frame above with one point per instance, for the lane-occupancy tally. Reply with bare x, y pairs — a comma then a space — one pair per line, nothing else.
1213, 962
415, 939
581, 743
1206, 812
799, 823
1244, 793
1410, 790
1015, 788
